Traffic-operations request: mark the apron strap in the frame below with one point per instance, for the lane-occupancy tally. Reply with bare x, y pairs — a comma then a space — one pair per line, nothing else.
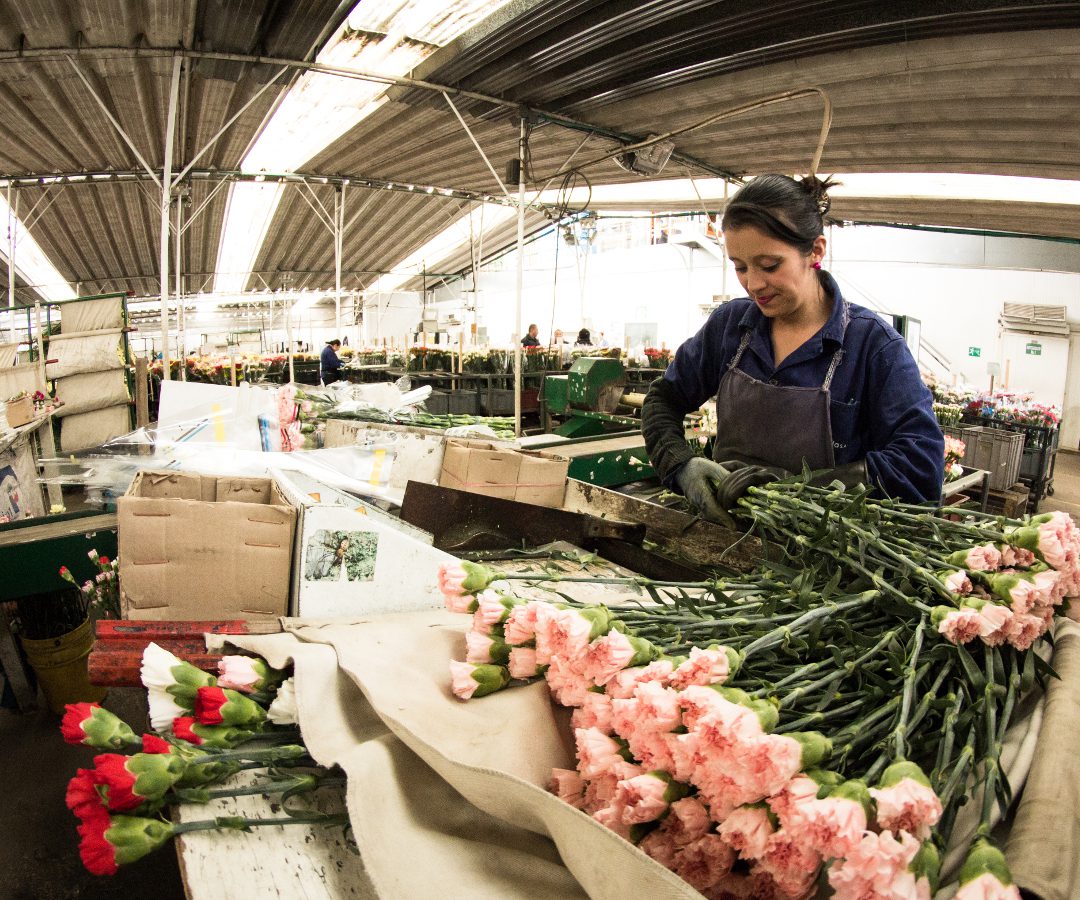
747, 335
837, 358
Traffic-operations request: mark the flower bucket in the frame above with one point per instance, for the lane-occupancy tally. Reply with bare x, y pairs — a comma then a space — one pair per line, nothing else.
60, 665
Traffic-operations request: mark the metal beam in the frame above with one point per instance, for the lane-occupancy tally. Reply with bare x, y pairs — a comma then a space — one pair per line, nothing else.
108, 114
479, 149
520, 277
166, 208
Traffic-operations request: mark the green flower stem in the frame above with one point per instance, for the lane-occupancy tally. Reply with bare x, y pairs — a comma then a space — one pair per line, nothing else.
270, 754
944, 754
849, 667
816, 718
239, 823
910, 675
991, 761
778, 635
960, 769
862, 726
929, 697
195, 795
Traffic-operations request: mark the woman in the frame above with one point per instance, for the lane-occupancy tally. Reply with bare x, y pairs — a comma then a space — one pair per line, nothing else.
584, 339
800, 375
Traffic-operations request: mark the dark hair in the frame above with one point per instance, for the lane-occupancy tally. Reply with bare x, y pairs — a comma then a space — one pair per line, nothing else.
783, 208
583, 336
334, 341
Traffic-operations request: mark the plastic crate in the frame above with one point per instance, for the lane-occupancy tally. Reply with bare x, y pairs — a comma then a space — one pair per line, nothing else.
998, 452
463, 403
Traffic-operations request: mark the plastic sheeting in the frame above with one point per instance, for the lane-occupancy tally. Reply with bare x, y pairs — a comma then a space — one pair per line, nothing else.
94, 390
8, 354
92, 353
92, 315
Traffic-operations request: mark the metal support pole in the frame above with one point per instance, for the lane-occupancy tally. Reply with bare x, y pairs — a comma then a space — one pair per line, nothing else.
181, 333
339, 234
520, 278
166, 195
12, 219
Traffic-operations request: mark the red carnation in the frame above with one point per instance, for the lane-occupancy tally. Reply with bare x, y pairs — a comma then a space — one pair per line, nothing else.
111, 771
208, 703
182, 728
82, 797
151, 743
71, 726
104, 560
98, 855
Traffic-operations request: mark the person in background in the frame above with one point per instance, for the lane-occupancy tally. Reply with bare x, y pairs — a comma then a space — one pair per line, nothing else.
329, 362
601, 341
531, 339
800, 375
584, 339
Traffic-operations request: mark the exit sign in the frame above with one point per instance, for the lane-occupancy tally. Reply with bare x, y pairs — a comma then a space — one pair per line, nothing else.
974, 351
1033, 348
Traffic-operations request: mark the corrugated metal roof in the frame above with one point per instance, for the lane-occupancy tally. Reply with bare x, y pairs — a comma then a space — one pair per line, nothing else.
981, 86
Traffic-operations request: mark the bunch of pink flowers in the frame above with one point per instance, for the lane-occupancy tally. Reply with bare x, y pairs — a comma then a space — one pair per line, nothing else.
698, 773
1009, 592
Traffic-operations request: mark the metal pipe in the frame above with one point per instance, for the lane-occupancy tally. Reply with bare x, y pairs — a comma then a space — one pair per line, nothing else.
166, 194
520, 278
116, 124
339, 229
181, 333
476, 144
11, 260
210, 143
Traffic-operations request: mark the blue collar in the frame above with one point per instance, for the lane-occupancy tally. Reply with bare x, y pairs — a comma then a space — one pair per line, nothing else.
833, 330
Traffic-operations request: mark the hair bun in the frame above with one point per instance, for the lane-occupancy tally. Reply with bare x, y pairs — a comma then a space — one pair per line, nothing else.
819, 191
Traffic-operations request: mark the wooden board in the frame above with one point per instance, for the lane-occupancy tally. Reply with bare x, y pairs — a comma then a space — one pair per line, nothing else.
287, 861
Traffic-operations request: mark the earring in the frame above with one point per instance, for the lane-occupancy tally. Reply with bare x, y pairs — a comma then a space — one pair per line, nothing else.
817, 265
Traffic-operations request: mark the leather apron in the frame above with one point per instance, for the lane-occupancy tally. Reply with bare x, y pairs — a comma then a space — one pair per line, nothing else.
773, 424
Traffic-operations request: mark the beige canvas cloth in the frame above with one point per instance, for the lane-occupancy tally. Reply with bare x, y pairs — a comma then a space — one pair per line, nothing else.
448, 799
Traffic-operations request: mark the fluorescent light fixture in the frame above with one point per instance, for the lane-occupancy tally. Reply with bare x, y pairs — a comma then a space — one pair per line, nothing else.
1000, 188
31, 263
447, 242
389, 38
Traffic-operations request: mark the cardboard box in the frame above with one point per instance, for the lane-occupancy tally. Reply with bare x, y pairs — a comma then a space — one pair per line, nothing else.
482, 467
354, 560
415, 453
204, 547
20, 412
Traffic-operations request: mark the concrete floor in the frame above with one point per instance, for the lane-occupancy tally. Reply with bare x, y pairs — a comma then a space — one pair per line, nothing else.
39, 857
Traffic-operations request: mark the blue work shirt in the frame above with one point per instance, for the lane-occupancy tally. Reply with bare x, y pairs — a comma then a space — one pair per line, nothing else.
880, 409
329, 361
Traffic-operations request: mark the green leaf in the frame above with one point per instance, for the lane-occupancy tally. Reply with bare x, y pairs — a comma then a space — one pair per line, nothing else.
971, 670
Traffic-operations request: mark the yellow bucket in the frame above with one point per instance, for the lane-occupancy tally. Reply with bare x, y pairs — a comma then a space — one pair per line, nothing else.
60, 665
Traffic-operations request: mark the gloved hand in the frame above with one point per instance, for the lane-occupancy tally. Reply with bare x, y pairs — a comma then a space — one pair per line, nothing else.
849, 475
743, 477
700, 479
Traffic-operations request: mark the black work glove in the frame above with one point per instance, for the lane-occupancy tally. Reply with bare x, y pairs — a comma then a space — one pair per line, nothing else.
849, 475
700, 479
743, 477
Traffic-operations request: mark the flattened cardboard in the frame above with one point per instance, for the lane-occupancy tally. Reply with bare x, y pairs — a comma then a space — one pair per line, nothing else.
203, 547
529, 476
20, 412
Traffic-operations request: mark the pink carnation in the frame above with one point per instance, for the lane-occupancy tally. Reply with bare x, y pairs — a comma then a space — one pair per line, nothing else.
661, 846
652, 748
987, 887
1054, 538
790, 863
1022, 631
1018, 557
596, 752
683, 750
594, 712
622, 685
687, 821
787, 802
567, 633
958, 582
907, 806
607, 657
523, 663
986, 558
959, 626
477, 647
704, 863
832, 826
600, 790
568, 785
641, 799
767, 763
237, 673
451, 579
462, 682
747, 831
658, 706
704, 667
520, 625
567, 685
489, 611
875, 867
611, 817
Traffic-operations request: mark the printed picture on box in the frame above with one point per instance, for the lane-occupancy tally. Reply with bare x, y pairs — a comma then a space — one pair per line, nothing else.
340, 556
11, 505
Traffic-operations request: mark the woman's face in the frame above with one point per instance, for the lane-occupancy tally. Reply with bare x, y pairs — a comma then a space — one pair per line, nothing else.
775, 275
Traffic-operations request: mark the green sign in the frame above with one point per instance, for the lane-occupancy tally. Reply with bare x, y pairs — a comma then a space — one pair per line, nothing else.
1033, 348
974, 351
